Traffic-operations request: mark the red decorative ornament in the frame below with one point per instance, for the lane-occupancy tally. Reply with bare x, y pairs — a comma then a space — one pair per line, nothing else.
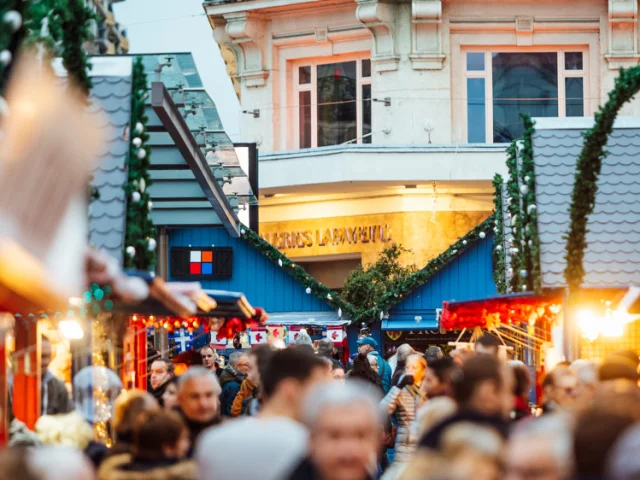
237, 325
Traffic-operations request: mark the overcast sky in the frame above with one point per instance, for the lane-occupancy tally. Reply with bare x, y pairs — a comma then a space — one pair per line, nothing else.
158, 26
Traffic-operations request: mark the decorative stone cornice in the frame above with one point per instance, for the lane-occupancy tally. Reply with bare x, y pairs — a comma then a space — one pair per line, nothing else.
426, 35
623, 34
244, 34
378, 17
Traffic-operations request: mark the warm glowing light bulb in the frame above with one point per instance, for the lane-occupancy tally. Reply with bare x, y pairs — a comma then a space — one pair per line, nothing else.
71, 329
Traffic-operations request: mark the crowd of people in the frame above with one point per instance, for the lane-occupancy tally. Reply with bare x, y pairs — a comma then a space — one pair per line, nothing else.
296, 413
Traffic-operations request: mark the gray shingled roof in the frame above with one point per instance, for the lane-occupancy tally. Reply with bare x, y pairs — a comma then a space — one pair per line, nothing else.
612, 257
112, 96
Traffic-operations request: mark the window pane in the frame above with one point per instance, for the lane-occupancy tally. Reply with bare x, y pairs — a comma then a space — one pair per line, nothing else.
574, 88
366, 113
476, 111
366, 68
337, 103
304, 75
573, 61
305, 119
475, 62
522, 83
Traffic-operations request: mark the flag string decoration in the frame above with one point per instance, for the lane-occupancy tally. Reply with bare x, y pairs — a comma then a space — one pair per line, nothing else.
140, 244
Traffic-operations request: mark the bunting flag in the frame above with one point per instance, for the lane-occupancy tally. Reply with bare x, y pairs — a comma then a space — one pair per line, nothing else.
276, 333
336, 335
258, 336
215, 343
183, 339
293, 334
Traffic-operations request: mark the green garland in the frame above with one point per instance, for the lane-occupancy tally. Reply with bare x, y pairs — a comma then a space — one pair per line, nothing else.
499, 256
513, 195
75, 18
140, 244
11, 34
391, 297
587, 171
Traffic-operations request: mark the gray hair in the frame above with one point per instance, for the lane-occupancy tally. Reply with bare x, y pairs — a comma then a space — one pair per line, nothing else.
404, 351
373, 359
235, 357
433, 353
352, 393
304, 338
196, 372
325, 347
557, 430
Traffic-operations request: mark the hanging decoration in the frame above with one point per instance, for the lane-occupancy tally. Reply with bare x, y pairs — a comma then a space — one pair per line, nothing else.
140, 230
499, 257
513, 194
100, 351
11, 33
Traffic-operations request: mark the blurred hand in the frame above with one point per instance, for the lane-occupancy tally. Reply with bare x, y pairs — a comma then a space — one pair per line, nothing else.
405, 380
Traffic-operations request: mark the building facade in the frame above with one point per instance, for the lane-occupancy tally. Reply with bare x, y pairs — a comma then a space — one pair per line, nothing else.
109, 37
388, 119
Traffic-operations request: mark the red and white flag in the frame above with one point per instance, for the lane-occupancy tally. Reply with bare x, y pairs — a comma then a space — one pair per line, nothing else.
258, 336
335, 334
276, 333
294, 332
215, 343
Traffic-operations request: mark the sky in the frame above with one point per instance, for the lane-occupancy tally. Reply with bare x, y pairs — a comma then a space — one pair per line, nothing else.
158, 26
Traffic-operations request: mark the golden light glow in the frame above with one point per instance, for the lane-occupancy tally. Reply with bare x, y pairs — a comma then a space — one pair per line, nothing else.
610, 325
71, 329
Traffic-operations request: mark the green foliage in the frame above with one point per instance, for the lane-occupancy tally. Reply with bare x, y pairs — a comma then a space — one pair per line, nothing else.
499, 256
588, 170
363, 288
140, 231
10, 38
513, 195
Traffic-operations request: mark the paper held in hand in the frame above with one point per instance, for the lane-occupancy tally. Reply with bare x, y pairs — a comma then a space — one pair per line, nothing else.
49, 145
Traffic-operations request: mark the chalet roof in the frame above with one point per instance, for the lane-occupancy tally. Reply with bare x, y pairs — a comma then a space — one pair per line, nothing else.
612, 257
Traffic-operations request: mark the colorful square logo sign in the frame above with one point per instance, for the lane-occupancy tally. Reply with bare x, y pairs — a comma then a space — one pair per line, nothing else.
201, 262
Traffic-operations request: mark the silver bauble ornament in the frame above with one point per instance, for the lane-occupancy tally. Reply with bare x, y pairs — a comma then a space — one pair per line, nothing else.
339, 313
498, 247
139, 128
280, 262
131, 251
482, 235
150, 205
136, 197
524, 189
5, 57
464, 242
137, 142
308, 290
151, 245
527, 178
531, 208
524, 273
13, 19
142, 153
142, 185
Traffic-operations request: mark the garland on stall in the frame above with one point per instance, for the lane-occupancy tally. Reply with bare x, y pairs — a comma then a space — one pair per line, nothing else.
530, 256
587, 171
140, 243
499, 257
391, 297
513, 207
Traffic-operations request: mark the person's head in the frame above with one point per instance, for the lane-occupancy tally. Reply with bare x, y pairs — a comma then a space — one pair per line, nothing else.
161, 371
373, 362
345, 427
487, 344
403, 352
587, 382
473, 451
325, 347
258, 360
522, 379
160, 434
484, 385
128, 406
170, 394
559, 387
416, 366
209, 357
437, 379
337, 371
288, 376
432, 354
620, 366
540, 449
304, 338
367, 344
199, 395
239, 361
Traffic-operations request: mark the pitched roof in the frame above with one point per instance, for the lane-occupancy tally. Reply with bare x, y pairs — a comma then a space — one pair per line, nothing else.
612, 256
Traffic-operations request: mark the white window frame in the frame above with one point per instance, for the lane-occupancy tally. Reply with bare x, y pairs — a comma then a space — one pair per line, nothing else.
313, 88
487, 75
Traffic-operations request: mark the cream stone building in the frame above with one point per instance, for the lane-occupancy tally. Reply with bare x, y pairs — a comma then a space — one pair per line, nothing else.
387, 120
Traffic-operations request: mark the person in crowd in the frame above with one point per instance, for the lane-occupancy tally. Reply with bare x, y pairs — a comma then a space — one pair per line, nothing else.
619, 367
344, 425
482, 389
461, 355
326, 348
403, 351
404, 399
161, 373
373, 363
521, 388
59, 463
170, 395
231, 379
14, 463
623, 462
54, 395
198, 401
362, 371
128, 406
247, 400
433, 353
433, 412
437, 378
488, 345
559, 390
338, 371
304, 339
541, 448
160, 444
210, 359
274, 439
368, 345
587, 383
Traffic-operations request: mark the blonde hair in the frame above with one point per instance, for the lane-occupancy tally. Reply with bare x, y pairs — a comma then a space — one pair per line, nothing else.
128, 405
68, 430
